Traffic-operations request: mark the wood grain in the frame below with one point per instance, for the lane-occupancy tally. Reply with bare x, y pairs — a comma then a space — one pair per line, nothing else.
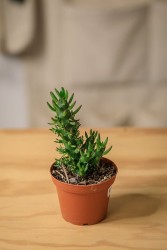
29, 211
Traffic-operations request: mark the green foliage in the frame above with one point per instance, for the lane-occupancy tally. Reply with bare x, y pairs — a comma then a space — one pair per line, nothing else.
80, 154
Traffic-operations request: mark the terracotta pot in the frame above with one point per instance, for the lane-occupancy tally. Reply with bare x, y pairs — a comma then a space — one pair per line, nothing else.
84, 204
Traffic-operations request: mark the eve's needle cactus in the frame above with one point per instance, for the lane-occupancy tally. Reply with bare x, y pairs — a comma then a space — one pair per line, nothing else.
79, 154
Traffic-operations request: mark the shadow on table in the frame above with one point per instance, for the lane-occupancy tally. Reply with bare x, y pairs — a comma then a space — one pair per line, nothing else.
131, 206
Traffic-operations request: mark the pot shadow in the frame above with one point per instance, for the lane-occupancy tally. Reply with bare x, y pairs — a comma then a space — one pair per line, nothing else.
131, 206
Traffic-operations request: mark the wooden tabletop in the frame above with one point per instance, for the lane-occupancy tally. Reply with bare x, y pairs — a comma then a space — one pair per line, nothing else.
29, 210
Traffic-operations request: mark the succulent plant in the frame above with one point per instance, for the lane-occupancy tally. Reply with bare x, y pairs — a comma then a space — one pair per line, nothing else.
80, 154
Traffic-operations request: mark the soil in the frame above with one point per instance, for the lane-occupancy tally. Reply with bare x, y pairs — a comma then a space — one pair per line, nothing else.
104, 171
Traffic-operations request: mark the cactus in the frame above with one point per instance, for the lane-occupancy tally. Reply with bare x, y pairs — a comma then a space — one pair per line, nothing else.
79, 154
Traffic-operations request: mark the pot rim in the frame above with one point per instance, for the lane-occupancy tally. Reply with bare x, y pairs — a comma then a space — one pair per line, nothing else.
89, 185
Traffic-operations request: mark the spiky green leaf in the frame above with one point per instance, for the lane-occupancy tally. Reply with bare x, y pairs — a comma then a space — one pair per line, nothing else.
107, 151
72, 105
53, 96
71, 98
50, 107
76, 111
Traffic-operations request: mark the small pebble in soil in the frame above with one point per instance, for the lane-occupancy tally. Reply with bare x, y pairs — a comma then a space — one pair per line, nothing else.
72, 180
82, 183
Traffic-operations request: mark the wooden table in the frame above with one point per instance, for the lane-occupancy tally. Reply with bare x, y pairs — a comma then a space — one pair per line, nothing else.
29, 211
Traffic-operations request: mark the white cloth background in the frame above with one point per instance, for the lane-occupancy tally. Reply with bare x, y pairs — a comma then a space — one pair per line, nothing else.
112, 54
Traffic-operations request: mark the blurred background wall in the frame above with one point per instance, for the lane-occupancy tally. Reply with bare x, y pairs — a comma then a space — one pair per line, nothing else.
111, 53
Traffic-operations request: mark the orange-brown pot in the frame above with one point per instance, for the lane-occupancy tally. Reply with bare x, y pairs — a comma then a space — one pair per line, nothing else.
84, 204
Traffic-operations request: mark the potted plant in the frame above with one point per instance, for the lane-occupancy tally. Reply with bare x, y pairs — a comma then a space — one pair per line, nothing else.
83, 177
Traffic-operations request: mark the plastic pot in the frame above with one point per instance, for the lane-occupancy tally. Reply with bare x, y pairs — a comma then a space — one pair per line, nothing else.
84, 204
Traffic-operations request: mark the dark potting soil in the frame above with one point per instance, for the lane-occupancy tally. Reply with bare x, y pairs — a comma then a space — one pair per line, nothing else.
104, 171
